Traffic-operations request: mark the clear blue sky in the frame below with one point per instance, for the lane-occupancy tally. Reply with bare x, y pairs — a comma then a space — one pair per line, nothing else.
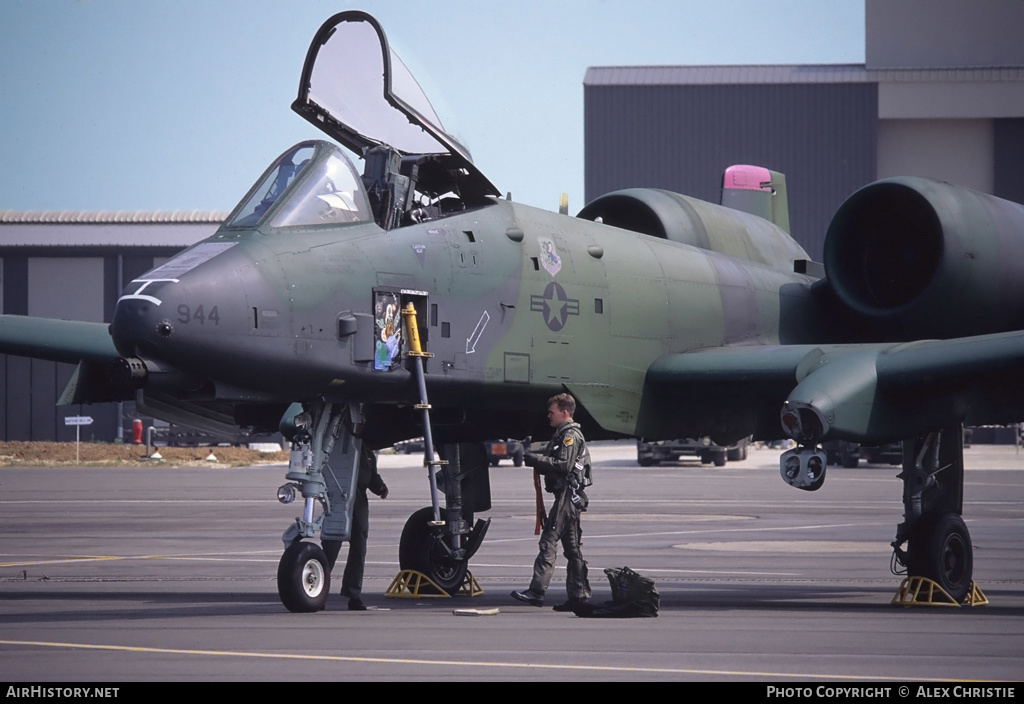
181, 104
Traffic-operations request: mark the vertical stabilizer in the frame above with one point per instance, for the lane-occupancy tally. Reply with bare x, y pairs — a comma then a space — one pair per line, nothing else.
758, 191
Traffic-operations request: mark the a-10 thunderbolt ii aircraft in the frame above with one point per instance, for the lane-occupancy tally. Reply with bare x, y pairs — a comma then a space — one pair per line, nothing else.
664, 316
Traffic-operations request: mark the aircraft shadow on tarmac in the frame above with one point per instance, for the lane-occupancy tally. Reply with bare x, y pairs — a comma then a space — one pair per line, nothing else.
153, 604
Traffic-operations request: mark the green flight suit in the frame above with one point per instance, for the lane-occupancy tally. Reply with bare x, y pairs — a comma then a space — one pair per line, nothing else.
566, 453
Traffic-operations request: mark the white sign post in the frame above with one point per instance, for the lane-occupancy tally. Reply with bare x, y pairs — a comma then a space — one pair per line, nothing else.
78, 422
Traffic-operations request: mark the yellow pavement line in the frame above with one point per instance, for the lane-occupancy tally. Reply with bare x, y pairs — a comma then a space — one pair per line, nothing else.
468, 663
100, 558
85, 558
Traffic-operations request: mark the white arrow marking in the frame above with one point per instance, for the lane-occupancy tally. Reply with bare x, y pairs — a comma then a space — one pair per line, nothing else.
477, 332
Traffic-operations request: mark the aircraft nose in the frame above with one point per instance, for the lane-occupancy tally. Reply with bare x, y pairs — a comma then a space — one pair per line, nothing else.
140, 321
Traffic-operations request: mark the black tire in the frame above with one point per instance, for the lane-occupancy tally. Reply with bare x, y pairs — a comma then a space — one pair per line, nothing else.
517, 457
644, 461
940, 549
303, 578
419, 550
739, 453
719, 458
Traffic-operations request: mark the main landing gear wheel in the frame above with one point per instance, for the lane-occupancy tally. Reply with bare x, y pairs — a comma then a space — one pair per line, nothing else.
420, 550
940, 549
303, 578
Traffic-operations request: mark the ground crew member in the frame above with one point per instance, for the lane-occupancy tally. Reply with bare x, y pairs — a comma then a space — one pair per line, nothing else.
565, 464
352, 578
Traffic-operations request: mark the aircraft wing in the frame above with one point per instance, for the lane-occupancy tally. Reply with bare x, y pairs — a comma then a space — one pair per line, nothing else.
86, 344
869, 393
56, 340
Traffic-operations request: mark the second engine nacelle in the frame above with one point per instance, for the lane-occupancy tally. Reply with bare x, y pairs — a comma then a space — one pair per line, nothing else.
921, 258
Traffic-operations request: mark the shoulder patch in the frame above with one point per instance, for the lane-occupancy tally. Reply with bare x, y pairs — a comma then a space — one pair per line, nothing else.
568, 440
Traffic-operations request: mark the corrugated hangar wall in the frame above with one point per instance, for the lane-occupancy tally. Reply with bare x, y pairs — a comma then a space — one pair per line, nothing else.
73, 265
81, 287
682, 137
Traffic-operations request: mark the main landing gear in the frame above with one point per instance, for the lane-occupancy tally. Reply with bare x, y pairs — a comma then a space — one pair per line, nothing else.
441, 549
439, 542
937, 540
938, 545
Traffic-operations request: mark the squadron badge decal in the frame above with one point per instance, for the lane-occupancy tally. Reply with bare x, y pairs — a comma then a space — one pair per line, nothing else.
549, 258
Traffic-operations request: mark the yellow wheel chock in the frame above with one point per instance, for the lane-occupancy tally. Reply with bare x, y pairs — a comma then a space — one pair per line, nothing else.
410, 584
921, 591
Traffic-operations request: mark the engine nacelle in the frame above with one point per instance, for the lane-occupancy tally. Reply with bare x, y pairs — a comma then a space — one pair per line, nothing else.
697, 223
919, 258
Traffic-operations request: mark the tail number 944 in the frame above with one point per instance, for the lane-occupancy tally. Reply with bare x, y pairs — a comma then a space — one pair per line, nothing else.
187, 314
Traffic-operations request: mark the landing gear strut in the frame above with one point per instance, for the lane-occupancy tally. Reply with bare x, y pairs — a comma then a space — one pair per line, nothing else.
438, 542
323, 468
441, 550
938, 543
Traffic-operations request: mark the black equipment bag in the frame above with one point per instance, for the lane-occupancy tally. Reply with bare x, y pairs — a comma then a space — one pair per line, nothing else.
633, 596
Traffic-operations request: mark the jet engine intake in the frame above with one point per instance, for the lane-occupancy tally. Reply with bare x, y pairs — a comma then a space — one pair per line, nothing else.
919, 258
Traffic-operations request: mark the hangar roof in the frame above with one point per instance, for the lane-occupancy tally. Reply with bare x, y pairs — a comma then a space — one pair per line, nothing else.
797, 73
107, 228
159, 217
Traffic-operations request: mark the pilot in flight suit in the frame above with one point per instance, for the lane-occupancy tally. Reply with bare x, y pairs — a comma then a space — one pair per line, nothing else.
565, 464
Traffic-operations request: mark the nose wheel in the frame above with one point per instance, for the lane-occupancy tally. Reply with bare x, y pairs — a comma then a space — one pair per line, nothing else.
303, 578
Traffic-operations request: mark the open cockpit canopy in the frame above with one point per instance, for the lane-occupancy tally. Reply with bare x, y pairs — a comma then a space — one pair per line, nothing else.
357, 90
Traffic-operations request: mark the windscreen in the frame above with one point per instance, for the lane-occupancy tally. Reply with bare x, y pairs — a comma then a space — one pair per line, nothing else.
313, 183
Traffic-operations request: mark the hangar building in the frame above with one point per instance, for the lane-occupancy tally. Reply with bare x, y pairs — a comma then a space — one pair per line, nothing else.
73, 265
941, 94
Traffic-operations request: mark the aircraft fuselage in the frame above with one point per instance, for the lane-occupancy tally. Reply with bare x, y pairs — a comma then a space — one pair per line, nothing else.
514, 303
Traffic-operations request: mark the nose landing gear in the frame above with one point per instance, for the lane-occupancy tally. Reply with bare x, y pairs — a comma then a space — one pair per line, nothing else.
323, 468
